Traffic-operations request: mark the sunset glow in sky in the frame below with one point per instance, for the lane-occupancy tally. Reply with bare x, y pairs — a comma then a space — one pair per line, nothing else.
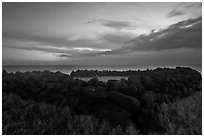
101, 33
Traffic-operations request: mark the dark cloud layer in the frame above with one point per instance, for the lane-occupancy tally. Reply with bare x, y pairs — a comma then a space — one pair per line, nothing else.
118, 24
183, 8
184, 34
65, 56
175, 13
193, 5
115, 24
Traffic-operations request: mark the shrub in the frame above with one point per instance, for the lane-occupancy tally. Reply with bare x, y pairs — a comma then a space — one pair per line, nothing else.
29, 117
184, 116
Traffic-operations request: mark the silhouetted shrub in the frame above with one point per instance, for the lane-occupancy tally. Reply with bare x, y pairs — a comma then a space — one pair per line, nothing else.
30, 118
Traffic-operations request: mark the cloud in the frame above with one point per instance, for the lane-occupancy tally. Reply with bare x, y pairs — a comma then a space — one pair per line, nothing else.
118, 38
63, 55
118, 24
69, 44
54, 43
184, 34
199, 5
193, 5
175, 13
183, 8
68, 52
115, 24
45, 39
187, 34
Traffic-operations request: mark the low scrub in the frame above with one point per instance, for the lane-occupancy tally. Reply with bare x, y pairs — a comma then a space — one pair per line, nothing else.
29, 117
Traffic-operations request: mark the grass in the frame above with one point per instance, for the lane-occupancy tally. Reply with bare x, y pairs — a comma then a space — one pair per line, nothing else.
183, 117
30, 118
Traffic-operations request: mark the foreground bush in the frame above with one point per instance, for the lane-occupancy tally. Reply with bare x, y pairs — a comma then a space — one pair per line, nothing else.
184, 116
29, 117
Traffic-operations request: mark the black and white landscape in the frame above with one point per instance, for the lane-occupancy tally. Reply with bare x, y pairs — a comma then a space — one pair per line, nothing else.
101, 68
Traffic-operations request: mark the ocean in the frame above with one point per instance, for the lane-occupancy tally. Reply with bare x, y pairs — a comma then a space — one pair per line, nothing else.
67, 69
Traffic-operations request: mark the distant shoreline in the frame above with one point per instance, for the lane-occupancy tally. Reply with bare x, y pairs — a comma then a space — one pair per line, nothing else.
67, 69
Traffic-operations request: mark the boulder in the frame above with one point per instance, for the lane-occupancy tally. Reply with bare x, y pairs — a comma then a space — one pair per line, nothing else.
130, 103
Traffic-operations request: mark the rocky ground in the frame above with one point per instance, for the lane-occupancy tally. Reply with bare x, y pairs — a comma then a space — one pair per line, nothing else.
137, 100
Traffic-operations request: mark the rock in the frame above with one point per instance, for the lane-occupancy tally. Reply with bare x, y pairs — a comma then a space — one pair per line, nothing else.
129, 103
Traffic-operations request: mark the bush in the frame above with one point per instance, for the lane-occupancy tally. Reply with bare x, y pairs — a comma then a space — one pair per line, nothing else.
183, 117
30, 118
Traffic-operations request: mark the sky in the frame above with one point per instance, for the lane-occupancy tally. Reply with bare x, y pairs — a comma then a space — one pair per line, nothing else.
84, 33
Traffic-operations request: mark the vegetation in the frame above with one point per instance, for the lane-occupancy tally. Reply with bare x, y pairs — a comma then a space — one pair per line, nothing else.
160, 101
29, 117
183, 117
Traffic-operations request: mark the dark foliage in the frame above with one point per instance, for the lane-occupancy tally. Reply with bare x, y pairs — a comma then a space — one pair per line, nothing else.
137, 100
